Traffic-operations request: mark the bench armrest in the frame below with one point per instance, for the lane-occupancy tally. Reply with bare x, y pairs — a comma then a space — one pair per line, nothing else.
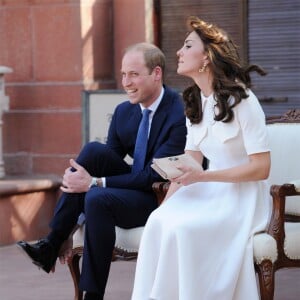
160, 189
276, 226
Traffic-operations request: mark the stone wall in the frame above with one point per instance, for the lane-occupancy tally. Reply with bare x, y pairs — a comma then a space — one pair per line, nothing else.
57, 48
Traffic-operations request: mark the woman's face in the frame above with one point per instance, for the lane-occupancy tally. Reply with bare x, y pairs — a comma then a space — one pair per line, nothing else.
191, 56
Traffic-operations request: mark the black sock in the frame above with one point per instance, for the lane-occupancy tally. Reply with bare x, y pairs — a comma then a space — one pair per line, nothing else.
56, 239
92, 296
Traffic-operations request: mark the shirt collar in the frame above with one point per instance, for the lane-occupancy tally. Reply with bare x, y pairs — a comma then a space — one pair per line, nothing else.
153, 107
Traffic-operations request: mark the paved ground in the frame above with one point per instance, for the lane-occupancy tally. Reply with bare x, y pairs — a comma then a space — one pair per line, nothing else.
21, 280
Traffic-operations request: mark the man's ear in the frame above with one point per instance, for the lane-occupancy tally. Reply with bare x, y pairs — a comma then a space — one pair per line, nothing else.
157, 71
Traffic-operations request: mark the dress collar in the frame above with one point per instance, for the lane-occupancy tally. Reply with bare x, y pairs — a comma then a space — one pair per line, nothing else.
205, 99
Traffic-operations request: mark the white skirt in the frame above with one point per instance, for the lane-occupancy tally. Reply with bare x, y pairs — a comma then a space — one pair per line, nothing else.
198, 244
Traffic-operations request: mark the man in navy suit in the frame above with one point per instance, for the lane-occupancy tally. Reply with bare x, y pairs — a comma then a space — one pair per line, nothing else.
101, 184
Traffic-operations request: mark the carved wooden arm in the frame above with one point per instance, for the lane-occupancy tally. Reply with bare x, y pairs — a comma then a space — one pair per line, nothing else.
160, 189
278, 217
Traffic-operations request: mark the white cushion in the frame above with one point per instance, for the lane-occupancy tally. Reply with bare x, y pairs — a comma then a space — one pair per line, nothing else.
285, 149
78, 237
292, 240
126, 239
285, 163
264, 247
292, 205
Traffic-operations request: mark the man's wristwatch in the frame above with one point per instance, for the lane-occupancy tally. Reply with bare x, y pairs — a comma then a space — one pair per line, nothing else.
94, 182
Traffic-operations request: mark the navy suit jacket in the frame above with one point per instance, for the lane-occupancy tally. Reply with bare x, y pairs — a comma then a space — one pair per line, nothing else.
167, 137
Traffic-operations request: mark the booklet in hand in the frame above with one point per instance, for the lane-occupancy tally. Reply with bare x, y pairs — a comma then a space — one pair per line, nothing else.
166, 167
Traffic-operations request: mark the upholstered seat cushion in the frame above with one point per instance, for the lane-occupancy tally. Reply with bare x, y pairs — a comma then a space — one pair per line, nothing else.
126, 239
78, 237
263, 243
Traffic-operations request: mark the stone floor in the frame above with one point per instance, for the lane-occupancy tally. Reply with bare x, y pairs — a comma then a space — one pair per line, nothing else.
20, 280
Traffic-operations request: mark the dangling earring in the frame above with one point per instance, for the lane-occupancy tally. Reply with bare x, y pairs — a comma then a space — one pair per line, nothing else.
203, 68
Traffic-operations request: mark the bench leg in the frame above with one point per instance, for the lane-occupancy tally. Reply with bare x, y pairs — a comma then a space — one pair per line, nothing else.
75, 270
266, 276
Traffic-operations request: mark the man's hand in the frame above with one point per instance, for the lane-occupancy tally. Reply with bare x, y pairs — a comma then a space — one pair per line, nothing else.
77, 181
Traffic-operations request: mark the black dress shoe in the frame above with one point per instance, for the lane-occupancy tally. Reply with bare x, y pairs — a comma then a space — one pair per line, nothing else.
41, 253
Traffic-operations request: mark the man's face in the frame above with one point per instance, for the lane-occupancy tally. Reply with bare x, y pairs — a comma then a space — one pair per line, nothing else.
140, 86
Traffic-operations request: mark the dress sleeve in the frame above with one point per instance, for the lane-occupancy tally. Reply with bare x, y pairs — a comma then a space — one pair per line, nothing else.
253, 124
190, 141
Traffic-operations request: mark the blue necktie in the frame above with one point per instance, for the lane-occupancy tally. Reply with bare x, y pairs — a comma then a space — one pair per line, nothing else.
140, 149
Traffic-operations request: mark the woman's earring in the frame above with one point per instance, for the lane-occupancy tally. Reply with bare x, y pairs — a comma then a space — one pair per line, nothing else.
203, 68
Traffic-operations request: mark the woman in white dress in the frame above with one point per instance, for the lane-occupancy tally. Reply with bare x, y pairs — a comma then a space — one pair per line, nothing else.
198, 244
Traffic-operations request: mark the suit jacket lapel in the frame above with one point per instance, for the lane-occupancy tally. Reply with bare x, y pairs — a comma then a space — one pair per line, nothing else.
158, 121
134, 121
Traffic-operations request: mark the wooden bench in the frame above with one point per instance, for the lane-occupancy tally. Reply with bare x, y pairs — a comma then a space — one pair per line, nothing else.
278, 247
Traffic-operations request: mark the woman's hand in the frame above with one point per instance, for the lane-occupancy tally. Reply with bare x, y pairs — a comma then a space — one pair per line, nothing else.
257, 168
191, 174
76, 181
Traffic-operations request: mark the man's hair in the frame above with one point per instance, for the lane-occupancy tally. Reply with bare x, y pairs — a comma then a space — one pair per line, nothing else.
153, 55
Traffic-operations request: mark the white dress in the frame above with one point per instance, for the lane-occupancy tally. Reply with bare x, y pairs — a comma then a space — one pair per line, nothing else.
198, 244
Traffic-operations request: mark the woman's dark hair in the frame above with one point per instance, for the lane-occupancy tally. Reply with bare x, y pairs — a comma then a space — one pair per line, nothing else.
230, 77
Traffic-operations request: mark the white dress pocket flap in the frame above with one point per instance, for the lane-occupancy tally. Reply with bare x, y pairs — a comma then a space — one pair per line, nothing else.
199, 134
225, 131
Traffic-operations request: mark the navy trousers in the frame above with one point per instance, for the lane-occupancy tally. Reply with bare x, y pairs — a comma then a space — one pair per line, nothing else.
104, 209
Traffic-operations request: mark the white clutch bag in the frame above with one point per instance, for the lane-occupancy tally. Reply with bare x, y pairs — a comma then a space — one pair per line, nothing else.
167, 167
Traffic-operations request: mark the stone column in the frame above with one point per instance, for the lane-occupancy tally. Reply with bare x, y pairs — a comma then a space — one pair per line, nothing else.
4, 105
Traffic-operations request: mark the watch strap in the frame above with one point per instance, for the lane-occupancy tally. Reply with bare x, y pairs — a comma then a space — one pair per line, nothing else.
94, 182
